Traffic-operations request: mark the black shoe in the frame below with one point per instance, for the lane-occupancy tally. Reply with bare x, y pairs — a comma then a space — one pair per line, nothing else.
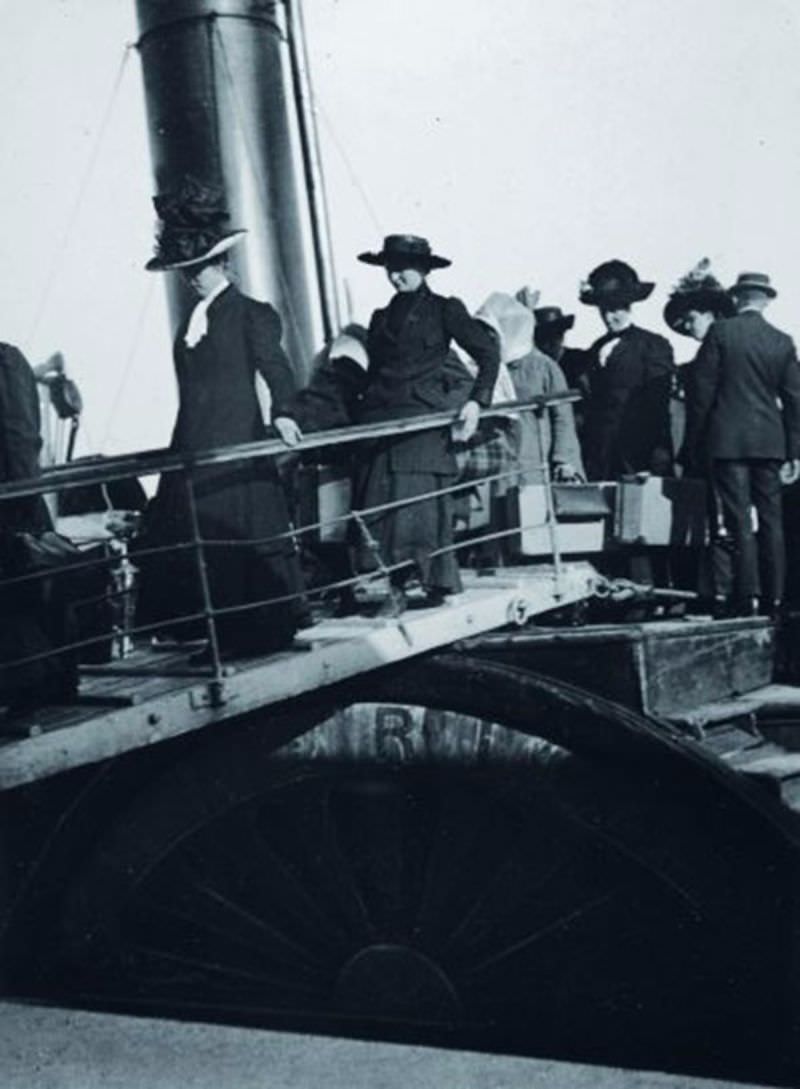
434, 596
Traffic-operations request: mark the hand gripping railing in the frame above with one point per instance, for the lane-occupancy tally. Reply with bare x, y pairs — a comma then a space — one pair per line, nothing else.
151, 462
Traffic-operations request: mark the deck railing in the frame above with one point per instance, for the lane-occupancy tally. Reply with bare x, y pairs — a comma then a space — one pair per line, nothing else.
148, 463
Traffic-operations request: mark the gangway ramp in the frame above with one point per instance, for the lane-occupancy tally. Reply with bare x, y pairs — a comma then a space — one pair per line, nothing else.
151, 697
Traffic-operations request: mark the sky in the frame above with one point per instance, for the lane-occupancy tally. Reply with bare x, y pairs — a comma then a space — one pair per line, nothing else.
528, 139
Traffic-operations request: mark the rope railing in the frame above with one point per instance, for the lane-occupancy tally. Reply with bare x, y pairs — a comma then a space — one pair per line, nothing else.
148, 462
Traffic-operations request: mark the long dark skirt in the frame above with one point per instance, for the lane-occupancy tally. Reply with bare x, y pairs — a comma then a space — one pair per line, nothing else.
411, 532
242, 505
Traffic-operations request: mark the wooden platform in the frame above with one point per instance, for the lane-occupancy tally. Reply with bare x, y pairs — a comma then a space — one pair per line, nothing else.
658, 667
152, 696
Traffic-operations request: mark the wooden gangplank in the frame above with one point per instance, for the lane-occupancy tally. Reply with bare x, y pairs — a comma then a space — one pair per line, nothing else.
150, 698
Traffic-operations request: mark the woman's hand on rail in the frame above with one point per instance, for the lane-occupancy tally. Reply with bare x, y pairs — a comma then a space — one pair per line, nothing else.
467, 423
564, 473
288, 430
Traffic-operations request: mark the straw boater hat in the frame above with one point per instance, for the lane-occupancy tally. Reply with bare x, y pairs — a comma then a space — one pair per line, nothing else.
614, 284
402, 247
552, 319
753, 281
193, 226
697, 290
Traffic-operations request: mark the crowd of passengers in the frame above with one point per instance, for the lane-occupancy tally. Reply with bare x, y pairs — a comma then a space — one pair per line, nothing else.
421, 353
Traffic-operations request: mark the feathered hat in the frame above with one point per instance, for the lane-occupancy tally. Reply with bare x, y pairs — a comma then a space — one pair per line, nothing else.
697, 290
194, 226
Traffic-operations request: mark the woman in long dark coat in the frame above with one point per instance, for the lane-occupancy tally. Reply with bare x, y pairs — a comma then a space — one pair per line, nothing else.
226, 341
411, 373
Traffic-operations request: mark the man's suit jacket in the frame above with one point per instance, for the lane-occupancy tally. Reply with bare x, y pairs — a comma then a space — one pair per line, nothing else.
744, 397
626, 413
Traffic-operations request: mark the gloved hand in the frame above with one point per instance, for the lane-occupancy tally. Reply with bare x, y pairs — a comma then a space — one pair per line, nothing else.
467, 422
564, 473
288, 430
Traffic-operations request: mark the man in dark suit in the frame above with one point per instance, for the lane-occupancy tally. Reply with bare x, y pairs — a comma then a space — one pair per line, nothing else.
744, 406
628, 382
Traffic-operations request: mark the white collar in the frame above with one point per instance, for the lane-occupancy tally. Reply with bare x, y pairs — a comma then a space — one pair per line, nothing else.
198, 319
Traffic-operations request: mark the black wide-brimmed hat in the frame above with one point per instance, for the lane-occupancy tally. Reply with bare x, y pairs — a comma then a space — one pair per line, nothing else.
401, 247
552, 319
697, 290
194, 226
614, 284
753, 281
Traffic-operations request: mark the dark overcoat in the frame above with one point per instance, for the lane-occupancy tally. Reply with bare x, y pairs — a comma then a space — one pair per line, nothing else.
412, 372
35, 617
627, 409
20, 439
743, 400
218, 406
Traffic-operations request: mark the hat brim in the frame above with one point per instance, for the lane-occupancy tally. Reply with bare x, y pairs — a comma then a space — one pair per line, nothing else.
431, 260
610, 299
158, 264
746, 285
717, 302
556, 325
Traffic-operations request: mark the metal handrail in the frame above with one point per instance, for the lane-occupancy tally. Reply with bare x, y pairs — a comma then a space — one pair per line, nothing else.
153, 461
164, 460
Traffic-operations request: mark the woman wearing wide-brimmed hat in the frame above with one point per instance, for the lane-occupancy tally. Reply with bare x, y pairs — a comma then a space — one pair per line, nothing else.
629, 377
411, 373
219, 349
697, 301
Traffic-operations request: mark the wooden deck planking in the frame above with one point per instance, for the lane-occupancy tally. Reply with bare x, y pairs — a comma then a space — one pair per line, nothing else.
161, 706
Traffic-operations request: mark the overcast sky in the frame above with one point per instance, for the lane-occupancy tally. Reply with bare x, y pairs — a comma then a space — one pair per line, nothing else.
529, 139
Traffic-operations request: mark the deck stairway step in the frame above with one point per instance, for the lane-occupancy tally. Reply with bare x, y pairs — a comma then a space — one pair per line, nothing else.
730, 739
773, 767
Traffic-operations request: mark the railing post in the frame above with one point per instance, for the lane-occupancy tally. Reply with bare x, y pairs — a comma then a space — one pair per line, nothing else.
552, 526
216, 685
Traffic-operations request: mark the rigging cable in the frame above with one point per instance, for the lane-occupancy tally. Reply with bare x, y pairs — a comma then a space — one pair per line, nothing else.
60, 249
129, 360
350, 169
